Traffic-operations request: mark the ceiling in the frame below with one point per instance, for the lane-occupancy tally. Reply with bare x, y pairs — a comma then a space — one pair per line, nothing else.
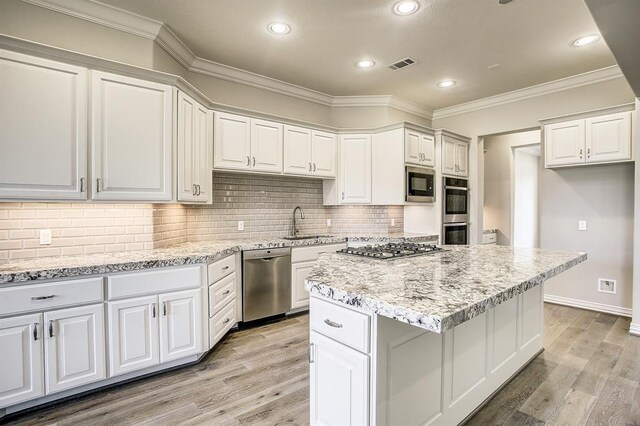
450, 39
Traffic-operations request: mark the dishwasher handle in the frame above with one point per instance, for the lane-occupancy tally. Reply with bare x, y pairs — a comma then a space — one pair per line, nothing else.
266, 254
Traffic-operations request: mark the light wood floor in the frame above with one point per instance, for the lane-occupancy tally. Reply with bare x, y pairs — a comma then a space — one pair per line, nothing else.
588, 374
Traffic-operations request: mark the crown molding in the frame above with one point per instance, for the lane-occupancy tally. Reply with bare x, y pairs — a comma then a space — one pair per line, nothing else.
389, 101
171, 43
579, 80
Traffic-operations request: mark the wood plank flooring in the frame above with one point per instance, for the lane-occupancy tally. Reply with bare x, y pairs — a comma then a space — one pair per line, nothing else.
589, 374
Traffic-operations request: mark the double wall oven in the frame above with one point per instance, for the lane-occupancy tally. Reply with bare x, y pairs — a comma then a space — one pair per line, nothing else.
455, 211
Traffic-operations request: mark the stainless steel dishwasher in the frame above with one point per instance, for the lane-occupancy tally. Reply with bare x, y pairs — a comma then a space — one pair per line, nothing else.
266, 285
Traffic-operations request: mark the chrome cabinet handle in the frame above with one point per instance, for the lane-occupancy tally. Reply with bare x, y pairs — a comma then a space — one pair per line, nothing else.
98, 185
343, 195
224, 268
35, 331
580, 152
226, 321
588, 152
81, 184
153, 310
50, 328
314, 167
51, 296
309, 166
311, 360
254, 161
332, 323
248, 161
199, 191
164, 308
193, 189
226, 292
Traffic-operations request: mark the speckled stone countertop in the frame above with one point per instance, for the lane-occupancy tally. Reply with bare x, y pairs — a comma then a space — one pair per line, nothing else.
490, 231
438, 291
29, 270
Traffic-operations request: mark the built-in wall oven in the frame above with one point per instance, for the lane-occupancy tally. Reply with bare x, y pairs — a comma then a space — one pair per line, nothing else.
455, 211
420, 184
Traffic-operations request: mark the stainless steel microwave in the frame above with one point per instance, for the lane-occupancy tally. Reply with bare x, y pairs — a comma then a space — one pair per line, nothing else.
420, 185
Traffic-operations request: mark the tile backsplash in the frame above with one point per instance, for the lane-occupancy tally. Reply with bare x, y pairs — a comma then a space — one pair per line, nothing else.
264, 202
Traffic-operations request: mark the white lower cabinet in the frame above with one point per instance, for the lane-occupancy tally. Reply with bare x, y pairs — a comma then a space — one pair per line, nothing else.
74, 347
21, 366
299, 273
339, 383
146, 331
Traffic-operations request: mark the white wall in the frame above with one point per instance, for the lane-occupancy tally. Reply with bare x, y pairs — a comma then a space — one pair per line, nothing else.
526, 170
635, 324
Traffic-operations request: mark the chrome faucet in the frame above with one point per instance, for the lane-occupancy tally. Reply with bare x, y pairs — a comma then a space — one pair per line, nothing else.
295, 230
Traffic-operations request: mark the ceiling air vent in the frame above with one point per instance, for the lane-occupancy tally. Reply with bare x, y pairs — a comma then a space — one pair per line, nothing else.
403, 63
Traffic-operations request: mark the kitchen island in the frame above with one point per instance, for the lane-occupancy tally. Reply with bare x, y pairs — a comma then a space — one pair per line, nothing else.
425, 339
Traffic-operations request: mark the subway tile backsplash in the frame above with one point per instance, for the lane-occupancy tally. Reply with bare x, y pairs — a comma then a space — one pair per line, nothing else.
264, 202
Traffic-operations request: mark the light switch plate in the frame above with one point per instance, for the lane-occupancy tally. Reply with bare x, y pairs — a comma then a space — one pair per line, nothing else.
45, 236
607, 285
241, 225
582, 225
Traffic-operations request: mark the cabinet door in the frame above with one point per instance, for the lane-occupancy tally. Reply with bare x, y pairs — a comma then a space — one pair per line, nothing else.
325, 153
428, 150
355, 169
44, 128
448, 156
299, 272
132, 127
564, 143
180, 325
133, 334
202, 164
187, 147
266, 146
412, 146
74, 347
608, 138
231, 142
297, 150
462, 159
21, 363
339, 393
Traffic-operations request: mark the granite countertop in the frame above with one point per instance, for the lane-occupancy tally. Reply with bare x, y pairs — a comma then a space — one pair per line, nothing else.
438, 291
490, 231
29, 270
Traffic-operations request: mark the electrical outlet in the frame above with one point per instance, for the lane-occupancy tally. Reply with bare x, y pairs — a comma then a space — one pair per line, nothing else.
241, 225
393, 222
329, 223
582, 225
606, 285
45, 236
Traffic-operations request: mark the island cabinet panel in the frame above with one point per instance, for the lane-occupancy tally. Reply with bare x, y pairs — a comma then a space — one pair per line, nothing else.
504, 343
467, 345
339, 383
532, 317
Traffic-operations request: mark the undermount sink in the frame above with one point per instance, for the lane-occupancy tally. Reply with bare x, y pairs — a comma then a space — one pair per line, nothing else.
305, 237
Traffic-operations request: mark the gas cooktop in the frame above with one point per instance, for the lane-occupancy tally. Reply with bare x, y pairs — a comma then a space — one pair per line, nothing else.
391, 251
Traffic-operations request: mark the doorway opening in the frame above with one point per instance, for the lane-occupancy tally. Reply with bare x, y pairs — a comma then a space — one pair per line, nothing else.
526, 178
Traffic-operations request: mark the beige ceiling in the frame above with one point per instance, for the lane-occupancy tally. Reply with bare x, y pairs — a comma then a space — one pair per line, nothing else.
457, 39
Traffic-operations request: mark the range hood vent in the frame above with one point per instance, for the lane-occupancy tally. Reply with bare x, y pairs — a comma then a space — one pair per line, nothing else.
402, 63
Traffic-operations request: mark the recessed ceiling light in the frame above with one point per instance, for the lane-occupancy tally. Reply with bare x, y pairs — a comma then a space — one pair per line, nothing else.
365, 63
279, 28
446, 83
584, 41
406, 7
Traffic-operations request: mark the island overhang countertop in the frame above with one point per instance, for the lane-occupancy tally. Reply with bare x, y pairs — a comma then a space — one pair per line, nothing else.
437, 291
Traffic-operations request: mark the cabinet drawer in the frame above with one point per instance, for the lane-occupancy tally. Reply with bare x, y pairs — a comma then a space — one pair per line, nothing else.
51, 295
221, 293
153, 282
340, 323
305, 254
489, 238
221, 268
222, 322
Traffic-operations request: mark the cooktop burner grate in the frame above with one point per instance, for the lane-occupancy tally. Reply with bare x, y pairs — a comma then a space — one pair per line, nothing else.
392, 250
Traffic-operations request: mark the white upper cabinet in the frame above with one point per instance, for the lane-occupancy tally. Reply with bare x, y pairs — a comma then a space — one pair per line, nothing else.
355, 169
588, 138
455, 157
419, 148
309, 152
608, 138
21, 375
74, 348
564, 143
266, 146
231, 142
43, 110
195, 136
132, 122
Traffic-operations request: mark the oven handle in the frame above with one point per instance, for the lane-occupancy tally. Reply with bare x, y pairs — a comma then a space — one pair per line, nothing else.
459, 188
446, 225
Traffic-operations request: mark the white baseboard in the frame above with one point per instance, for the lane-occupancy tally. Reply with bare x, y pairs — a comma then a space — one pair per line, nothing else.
591, 306
635, 329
